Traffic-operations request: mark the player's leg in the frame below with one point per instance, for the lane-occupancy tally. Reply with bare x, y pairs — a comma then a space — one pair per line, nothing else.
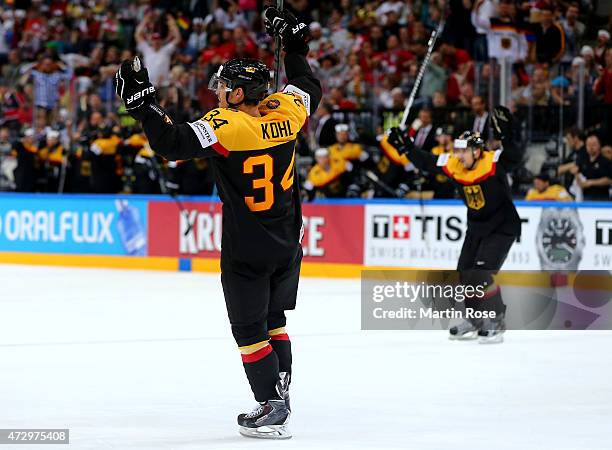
490, 257
467, 329
246, 299
247, 295
283, 295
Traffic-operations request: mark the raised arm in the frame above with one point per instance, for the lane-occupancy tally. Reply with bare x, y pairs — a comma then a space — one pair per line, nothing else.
503, 130
139, 34
172, 141
294, 36
300, 76
173, 31
423, 160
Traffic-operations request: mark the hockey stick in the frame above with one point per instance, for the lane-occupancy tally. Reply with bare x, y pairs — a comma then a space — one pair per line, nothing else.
277, 52
164, 190
63, 170
417, 83
377, 181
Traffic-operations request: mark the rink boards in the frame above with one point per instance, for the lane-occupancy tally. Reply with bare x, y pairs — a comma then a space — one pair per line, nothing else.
341, 238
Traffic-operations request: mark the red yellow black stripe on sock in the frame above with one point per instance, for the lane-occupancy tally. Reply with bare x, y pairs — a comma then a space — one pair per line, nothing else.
492, 290
278, 334
255, 352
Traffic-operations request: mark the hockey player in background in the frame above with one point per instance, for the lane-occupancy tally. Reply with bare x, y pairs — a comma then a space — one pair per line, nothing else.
330, 177
250, 140
493, 222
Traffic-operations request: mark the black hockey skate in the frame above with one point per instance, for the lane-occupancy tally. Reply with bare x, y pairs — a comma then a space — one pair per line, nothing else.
269, 419
465, 331
492, 330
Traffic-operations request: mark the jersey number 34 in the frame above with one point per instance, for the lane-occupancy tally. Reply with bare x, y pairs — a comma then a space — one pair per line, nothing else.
265, 182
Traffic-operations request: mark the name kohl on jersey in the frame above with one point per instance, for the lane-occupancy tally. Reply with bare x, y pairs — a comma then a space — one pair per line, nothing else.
275, 130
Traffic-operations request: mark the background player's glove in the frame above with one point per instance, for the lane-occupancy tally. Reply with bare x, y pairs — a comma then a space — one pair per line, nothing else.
502, 122
294, 34
133, 86
400, 140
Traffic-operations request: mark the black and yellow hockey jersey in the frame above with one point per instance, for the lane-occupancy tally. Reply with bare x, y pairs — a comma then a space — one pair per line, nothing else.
254, 163
351, 151
393, 169
484, 189
330, 182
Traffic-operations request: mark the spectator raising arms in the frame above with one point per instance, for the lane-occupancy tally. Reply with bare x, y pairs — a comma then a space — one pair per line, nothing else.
156, 52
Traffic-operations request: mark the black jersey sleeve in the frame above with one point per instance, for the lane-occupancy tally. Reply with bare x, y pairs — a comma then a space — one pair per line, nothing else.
426, 161
512, 155
172, 141
300, 76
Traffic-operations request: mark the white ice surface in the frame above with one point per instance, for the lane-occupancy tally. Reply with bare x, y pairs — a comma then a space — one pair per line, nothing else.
145, 360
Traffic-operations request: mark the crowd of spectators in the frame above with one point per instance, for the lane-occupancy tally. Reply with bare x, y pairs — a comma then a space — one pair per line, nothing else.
63, 130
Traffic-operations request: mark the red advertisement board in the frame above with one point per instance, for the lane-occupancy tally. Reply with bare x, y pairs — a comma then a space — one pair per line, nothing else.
332, 233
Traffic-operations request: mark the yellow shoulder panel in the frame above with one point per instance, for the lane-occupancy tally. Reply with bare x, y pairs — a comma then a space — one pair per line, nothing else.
285, 104
235, 130
483, 170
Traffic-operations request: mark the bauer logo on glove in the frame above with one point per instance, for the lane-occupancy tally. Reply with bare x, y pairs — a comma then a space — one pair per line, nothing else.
132, 84
141, 94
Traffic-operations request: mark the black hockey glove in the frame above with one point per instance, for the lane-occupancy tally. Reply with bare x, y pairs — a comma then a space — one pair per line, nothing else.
400, 141
293, 33
133, 86
502, 123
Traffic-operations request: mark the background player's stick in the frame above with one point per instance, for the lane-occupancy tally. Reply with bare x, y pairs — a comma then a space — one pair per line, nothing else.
384, 186
430, 46
173, 195
277, 52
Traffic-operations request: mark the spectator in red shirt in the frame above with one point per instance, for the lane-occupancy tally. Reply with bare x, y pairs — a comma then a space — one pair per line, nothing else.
217, 50
603, 85
457, 60
339, 100
395, 59
603, 88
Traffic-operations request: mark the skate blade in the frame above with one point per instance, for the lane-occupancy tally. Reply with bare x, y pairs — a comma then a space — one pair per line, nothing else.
469, 336
267, 432
497, 339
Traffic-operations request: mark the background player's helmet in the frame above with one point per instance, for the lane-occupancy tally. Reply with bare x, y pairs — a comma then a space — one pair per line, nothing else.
251, 75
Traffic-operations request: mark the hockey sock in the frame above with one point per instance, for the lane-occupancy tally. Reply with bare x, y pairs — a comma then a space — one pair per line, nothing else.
496, 302
279, 340
491, 301
261, 367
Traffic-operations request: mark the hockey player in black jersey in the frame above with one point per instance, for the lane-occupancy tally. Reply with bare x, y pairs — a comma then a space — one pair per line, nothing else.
480, 177
250, 140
